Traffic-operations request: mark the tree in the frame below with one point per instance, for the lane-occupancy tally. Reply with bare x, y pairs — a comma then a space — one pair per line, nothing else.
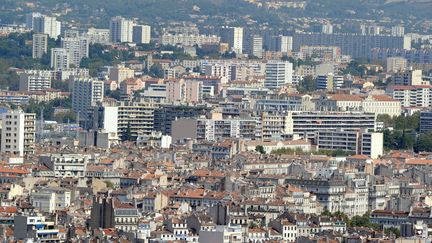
306, 85
260, 149
156, 71
424, 143
392, 231
128, 134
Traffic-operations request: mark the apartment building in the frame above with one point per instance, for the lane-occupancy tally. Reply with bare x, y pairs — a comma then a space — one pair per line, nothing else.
425, 121
135, 118
39, 45
49, 200
329, 82
307, 124
121, 30
121, 73
60, 59
214, 129
350, 43
411, 96
66, 165
85, 93
278, 74
18, 133
35, 80
141, 34
77, 46
352, 142
188, 39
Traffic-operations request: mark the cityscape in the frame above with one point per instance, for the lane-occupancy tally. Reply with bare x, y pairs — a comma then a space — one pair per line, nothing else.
225, 121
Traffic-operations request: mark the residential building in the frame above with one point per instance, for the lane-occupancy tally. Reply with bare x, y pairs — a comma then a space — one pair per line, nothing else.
213, 129
18, 133
351, 142
86, 92
409, 78
98, 36
40, 45
179, 90
329, 82
141, 34
121, 30
121, 73
411, 96
278, 74
66, 165
77, 46
425, 121
188, 40
396, 64
398, 30
35, 80
234, 37
349, 43
307, 124
50, 200
60, 59
47, 25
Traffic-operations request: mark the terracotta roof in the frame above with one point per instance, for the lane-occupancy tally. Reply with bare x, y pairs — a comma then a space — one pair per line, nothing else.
419, 162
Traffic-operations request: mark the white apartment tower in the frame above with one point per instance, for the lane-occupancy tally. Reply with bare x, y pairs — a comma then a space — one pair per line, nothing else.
234, 37
60, 58
40, 45
77, 46
18, 132
86, 93
121, 30
45, 24
278, 74
141, 34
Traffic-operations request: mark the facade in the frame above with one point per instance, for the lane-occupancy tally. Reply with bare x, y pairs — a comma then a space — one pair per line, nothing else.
166, 115
349, 43
425, 122
188, 40
60, 59
18, 133
234, 37
141, 34
77, 46
329, 82
98, 36
35, 80
136, 116
180, 90
86, 93
121, 30
49, 200
351, 142
396, 64
121, 73
412, 56
66, 165
323, 53
46, 24
307, 124
255, 46
411, 96
40, 45
278, 74
213, 129
409, 78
